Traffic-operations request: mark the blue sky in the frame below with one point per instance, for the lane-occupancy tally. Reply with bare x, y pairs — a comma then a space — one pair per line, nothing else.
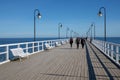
16, 17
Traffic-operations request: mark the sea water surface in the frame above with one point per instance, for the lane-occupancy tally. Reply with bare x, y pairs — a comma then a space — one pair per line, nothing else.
20, 40
110, 39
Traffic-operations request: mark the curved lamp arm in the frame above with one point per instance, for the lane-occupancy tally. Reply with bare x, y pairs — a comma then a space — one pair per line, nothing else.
100, 14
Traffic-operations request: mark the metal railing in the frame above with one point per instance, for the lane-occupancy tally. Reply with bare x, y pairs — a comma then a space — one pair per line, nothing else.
28, 47
111, 50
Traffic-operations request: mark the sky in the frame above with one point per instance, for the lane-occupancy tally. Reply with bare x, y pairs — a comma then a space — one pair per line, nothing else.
17, 17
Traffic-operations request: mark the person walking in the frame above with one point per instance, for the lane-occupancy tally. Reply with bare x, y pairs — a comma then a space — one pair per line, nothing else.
82, 42
77, 42
71, 42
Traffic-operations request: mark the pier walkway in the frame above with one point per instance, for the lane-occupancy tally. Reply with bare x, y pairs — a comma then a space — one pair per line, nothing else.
62, 63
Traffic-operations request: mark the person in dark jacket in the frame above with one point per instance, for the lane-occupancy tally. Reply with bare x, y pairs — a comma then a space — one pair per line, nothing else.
71, 41
82, 42
77, 42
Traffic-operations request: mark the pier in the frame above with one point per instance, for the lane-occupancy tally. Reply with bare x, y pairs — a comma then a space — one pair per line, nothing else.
63, 63
59, 40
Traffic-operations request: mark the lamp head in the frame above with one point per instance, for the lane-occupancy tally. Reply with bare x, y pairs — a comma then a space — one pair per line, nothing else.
39, 16
100, 13
91, 24
60, 25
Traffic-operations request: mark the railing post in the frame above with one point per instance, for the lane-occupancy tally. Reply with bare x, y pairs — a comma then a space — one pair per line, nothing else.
38, 46
33, 47
112, 52
117, 54
102, 46
18, 45
54, 43
7, 54
108, 47
42, 46
97, 43
94, 43
26, 47
105, 48
51, 43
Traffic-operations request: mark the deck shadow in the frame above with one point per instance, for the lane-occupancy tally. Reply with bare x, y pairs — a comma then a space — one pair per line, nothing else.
52, 74
90, 66
67, 48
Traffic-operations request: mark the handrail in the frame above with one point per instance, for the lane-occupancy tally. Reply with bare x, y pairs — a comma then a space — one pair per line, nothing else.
112, 50
31, 47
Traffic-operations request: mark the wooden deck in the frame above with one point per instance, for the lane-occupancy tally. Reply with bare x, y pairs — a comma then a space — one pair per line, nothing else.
62, 63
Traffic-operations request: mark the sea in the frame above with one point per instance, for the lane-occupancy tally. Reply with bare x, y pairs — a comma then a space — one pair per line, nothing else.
20, 40
110, 39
